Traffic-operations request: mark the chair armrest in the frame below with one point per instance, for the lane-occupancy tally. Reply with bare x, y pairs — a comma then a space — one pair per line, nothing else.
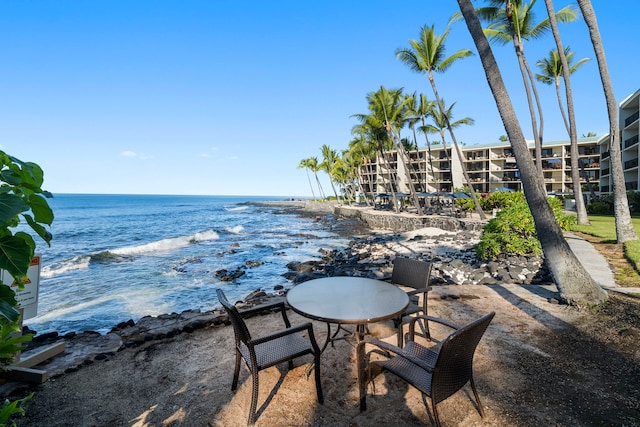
392, 349
284, 332
412, 324
278, 306
419, 291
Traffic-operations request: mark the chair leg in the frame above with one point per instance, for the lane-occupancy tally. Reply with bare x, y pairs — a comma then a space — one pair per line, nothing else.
236, 372
318, 383
254, 397
475, 394
435, 413
362, 380
400, 333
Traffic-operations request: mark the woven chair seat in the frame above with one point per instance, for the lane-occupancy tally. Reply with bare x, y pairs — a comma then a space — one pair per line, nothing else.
276, 351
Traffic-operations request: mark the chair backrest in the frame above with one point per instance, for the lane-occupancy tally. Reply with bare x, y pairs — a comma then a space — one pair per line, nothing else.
454, 366
411, 272
239, 327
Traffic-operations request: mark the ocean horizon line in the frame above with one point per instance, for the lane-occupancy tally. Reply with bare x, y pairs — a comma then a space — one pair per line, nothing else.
54, 193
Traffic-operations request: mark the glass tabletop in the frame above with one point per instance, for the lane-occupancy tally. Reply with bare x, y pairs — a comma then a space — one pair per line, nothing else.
354, 300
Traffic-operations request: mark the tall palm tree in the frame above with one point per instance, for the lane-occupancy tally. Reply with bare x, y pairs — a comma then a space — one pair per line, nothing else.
513, 21
426, 55
304, 163
329, 156
573, 281
552, 70
314, 165
365, 150
386, 118
624, 227
418, 111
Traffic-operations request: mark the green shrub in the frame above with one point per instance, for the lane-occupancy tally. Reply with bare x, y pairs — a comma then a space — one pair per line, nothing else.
600, 208
513, 231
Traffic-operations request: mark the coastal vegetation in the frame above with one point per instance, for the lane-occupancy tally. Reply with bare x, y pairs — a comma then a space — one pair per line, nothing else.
512, 231
21, 198
508, 22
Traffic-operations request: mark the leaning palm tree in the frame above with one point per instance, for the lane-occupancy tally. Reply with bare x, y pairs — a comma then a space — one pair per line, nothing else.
330, 156
551, 71
304, 163
624, 227
513, 21
573, 281
314, 165
426, 55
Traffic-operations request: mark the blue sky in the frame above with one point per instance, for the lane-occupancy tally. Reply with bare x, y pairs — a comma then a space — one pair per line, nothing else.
226, 98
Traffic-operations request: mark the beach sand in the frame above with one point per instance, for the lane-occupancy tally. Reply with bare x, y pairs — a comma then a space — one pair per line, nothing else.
539, 363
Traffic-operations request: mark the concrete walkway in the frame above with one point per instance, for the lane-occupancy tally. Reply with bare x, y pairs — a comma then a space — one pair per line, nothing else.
596, 265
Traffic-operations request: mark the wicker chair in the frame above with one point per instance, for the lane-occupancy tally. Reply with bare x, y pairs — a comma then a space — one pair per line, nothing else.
270, 350
412, 273
438, 373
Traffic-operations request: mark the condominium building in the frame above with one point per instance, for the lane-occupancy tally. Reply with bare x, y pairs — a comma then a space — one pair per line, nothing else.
629, 114
489, 168
493, 166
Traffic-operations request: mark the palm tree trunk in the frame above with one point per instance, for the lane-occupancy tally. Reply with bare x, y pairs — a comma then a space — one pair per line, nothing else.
624, 227
581, 210
532, 113
564, 116
455, 143
573, 281
310, 186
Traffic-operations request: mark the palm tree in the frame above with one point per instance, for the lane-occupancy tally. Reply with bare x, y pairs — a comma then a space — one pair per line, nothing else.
364, 150
573, 281
330, 157
386, 118
304, 163
513, 21
624, 227
420, 109
314, 165
552, 70
426, 55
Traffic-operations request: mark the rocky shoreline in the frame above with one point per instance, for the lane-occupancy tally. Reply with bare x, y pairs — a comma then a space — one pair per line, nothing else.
370, 254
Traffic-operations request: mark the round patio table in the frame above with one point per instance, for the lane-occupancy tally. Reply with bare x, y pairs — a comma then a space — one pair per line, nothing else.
347, 300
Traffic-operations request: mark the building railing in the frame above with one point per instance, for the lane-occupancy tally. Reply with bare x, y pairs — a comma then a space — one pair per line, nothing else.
631, 164
631, 141
605, 171
632, 118
605, 155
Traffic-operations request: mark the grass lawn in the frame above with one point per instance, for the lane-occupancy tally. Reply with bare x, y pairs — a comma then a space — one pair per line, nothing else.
603, 227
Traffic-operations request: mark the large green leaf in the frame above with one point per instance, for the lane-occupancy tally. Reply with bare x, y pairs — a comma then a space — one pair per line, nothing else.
8, 303
41, 211
42, 232
15, 255
10, 206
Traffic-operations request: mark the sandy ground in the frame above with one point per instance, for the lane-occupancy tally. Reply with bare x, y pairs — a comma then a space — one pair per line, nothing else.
539, 363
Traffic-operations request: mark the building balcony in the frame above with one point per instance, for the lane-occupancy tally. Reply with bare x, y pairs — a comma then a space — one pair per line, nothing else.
631, 141
632, 118
630, 164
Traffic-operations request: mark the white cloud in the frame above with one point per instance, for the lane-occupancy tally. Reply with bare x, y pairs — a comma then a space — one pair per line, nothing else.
205, 155
133, 154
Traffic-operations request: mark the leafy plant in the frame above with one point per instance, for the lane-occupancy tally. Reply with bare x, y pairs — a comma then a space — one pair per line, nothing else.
21, 198
10, 408
513, 231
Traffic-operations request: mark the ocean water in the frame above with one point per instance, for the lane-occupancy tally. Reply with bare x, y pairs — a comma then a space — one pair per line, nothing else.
120, 257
